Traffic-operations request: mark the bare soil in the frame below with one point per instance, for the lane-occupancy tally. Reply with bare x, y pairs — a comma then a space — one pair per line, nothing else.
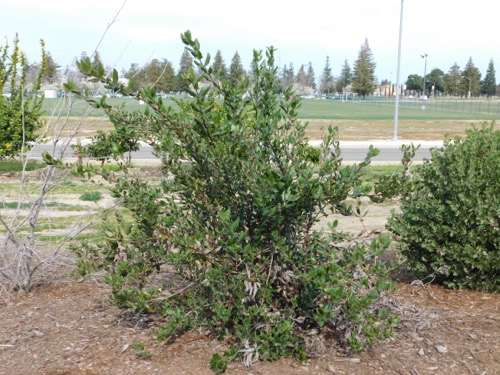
359, 130
70, 328
67, 327
349, 130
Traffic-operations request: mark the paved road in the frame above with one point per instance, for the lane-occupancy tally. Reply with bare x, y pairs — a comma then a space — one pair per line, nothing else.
351, 151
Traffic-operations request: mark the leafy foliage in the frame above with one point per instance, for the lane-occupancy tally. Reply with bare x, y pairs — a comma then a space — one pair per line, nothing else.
20, 108
105, 146
449, 225
398, 184
227, 241
91, 196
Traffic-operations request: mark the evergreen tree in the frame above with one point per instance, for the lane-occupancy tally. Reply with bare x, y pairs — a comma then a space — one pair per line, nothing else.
471, 78
311, 78
96, 60
236, 70
301, 77
301, 82
364, 80
452, 80
327, 85
167, 81
160, 74
287, 77
489, 84
219, 66
186, 64
152, 72
51, 70
345, 77
136, 76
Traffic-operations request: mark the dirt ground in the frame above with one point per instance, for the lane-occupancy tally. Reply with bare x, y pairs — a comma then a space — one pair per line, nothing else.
349, 130
68, 327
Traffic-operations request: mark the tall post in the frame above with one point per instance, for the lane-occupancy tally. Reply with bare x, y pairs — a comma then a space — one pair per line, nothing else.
396, 110
424, 56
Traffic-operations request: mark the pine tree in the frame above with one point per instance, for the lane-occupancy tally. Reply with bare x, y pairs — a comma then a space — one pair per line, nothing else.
51, 70
185, 64
489, 84
160, 74
345, 77
301, 77
236, 70
471, 79
301, 82
327, 85
136, 76
363, 79
96, 60
219, 66
452, 80
152, 71
311, 78
168, 79
287, 76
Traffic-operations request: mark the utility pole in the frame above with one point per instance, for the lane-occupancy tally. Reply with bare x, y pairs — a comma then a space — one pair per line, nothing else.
396, 110
424, 56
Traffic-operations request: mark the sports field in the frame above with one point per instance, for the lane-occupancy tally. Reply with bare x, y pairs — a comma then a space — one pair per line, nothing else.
315, 109
355, 120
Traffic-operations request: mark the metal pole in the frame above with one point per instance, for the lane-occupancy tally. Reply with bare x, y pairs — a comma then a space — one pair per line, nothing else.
424, 56
396, 111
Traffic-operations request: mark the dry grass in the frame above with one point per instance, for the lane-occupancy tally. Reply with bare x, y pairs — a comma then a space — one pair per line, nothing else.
349, 130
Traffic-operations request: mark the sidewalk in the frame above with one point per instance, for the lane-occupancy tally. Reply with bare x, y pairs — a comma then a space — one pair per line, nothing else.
316, 143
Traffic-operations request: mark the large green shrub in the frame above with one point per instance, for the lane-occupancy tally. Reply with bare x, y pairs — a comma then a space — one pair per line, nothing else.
20, 105
227, 241
449, 225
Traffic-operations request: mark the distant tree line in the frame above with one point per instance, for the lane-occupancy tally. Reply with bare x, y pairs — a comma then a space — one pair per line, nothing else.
457, 82
359, 79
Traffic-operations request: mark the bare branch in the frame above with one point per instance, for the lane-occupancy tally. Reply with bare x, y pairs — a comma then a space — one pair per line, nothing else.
115, 18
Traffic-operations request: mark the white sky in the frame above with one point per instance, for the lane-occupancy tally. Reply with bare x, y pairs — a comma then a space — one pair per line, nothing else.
447, 30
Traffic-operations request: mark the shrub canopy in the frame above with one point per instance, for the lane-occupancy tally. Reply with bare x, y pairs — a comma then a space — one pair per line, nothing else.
227, 242
449, 224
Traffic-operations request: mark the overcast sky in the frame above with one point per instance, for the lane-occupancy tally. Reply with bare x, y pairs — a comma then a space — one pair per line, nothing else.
448, 31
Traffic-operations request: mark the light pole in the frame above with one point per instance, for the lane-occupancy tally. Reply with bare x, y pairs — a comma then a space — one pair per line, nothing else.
396, 110
424, 56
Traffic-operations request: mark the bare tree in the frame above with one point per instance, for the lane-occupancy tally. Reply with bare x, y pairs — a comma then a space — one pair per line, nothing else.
21, 254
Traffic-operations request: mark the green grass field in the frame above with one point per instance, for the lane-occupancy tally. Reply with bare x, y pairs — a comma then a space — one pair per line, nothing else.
325, 109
